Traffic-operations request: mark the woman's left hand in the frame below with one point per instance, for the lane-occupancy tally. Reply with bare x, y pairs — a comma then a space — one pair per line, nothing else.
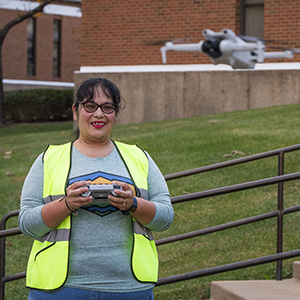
124, 197
145, 211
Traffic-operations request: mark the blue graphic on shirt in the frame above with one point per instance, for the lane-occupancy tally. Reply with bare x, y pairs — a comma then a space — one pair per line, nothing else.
101, 178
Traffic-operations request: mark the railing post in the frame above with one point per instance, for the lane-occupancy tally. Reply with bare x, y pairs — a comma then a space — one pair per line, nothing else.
280, 216
2, 251
2, 260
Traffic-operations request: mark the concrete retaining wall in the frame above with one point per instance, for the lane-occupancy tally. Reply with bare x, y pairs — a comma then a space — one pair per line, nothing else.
160, 95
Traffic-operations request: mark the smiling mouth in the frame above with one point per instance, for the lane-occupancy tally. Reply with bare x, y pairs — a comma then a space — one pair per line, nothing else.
98, 124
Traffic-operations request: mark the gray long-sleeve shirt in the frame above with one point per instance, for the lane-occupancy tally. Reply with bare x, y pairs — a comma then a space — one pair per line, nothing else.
101, 242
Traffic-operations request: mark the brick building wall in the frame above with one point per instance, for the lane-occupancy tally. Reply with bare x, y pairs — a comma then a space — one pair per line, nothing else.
129, 32
14, 47
14, 54
282, 25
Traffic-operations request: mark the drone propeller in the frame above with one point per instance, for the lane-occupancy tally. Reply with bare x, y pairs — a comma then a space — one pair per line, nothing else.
294, 50
174, 41
251, 39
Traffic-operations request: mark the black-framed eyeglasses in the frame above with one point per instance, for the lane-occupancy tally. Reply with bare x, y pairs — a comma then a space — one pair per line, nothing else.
107, 108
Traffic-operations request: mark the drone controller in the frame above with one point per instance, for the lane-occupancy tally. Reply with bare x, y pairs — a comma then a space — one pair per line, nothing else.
100, 192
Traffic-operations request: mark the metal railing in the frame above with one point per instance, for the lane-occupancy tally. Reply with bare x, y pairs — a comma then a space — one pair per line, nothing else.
3, 234
280, 179
278, 257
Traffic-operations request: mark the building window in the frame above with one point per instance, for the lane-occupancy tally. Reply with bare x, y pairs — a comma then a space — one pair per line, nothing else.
56, 47
31, 47
252, 18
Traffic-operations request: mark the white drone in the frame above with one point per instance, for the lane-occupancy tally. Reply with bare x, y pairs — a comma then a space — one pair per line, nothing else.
227, 48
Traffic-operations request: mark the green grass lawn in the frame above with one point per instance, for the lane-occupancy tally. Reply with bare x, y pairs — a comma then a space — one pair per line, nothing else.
178, 145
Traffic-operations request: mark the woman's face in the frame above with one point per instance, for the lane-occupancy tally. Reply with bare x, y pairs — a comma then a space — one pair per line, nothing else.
95, 127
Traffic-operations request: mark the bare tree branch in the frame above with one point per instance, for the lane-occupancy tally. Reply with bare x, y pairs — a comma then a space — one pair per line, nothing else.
22, 17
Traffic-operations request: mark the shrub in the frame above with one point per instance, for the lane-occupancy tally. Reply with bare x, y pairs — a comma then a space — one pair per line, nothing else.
38, 105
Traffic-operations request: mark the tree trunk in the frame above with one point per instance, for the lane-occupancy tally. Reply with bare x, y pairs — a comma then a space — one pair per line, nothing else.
1, 88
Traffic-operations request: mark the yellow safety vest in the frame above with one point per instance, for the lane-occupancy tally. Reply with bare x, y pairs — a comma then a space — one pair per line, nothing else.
49, 258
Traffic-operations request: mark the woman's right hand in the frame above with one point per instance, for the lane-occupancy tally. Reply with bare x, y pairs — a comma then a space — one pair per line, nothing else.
74, 196
55, 212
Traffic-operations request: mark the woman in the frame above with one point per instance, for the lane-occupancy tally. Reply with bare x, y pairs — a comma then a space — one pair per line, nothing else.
82, 250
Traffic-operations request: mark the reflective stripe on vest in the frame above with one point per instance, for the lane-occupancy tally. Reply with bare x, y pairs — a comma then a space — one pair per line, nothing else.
48, 261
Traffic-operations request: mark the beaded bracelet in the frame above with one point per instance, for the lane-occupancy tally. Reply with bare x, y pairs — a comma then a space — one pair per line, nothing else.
74, 212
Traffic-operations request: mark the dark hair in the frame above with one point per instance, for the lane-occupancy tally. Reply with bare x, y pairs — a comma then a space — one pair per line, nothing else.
86, 91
